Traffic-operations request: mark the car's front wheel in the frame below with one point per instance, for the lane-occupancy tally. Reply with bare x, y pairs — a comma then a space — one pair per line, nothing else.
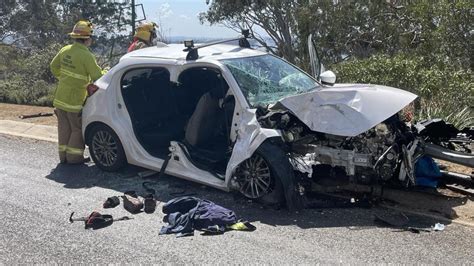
259, 177
105, 148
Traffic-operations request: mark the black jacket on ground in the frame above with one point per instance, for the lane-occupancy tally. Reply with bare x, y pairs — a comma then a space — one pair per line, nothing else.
186, 214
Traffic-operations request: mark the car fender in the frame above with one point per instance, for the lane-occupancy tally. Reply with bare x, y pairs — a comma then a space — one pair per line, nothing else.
250, 135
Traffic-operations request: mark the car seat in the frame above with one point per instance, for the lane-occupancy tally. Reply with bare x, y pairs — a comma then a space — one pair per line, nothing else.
206, 117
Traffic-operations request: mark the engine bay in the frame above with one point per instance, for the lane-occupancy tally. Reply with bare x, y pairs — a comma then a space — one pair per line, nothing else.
375, 156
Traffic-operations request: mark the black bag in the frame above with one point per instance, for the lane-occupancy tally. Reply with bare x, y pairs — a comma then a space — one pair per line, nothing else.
97, 220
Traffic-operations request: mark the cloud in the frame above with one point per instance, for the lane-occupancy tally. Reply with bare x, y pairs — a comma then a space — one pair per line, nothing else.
164, 11
185, 17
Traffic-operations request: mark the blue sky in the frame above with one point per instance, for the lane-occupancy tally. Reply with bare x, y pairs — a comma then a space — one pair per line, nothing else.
180, 18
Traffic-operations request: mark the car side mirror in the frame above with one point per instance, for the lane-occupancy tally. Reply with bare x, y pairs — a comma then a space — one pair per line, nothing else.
328, 78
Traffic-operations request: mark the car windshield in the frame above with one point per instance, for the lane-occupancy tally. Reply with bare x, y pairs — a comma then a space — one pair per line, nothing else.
266, 79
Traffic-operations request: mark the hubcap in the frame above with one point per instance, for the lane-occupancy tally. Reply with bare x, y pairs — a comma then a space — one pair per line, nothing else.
105, 148
254, 177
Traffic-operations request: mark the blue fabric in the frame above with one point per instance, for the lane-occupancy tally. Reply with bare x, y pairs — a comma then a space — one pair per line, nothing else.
186, 214
427, 172
427, 167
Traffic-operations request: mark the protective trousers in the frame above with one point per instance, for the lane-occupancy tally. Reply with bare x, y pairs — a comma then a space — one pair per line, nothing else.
70, 141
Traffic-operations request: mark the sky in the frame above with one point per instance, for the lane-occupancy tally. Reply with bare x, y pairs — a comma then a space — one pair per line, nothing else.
180, 18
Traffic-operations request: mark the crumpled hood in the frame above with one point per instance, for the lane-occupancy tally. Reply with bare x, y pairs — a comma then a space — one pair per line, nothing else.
346, 109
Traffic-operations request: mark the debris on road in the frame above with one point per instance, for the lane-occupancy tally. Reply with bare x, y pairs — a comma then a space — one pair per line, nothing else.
35, 115
439, 227
398, 220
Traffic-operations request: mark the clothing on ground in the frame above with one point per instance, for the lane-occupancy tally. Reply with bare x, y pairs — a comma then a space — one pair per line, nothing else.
186, 214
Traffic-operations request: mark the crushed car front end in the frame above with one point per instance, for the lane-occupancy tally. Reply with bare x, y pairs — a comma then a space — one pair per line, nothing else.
354, 128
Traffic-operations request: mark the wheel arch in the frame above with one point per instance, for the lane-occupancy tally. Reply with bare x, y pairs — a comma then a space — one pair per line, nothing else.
94, 124
272, 150
89, 128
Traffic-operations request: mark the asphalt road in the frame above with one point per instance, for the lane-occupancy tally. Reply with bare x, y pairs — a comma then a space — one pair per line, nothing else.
37, 195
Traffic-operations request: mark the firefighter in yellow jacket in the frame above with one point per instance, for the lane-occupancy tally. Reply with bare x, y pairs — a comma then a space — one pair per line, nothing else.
75, 67
146, 33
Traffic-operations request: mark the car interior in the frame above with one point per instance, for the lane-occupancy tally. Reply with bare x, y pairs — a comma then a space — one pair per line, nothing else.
196, 112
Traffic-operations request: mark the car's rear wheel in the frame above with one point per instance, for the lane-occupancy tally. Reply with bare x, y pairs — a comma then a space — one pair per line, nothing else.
106, 149
259, 177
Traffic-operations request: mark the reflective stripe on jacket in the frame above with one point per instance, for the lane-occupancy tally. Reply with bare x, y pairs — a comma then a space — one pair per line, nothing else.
75, 67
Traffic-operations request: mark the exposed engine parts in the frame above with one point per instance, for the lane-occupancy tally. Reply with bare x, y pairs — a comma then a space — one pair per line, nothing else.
377, 155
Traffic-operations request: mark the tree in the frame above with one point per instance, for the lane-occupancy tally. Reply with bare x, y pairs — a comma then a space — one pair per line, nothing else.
31, 33
363, 28
275, 17
29, 24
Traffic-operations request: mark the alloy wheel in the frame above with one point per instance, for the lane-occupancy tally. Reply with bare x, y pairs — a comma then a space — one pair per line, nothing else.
254, 177
105, 148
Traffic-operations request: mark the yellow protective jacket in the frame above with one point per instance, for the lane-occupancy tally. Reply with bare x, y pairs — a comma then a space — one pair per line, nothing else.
75, 67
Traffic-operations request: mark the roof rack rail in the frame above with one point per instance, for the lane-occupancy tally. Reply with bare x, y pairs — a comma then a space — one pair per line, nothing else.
193, 50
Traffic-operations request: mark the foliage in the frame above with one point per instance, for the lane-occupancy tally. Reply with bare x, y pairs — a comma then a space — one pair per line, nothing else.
275, 17
360, 29
355, 28
445, 91
31, 82
32, 32
34, 24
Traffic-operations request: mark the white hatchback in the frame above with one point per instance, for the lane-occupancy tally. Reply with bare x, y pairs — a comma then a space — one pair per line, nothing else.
236, 118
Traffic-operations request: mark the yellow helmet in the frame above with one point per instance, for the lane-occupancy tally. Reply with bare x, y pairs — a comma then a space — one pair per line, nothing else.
82, 30
145, 31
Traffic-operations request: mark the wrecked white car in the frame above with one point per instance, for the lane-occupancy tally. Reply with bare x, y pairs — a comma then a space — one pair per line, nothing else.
236, 118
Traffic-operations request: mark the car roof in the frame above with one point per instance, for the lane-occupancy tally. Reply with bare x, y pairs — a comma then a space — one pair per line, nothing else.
174, 52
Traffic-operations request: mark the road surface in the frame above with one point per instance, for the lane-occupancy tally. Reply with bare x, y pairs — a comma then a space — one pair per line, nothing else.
37, 195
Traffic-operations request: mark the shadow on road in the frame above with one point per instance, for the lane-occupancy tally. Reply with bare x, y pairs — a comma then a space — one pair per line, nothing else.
168, 187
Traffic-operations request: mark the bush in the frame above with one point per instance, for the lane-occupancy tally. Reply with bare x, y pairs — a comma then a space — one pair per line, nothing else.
30, 81
445, 91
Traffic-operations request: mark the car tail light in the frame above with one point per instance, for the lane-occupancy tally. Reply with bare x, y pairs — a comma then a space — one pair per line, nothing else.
91, 89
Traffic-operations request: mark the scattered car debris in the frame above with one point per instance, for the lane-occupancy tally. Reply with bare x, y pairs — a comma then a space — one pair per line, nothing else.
439, 227
398, 220
330, 201
147, 173
462, 178
35, 115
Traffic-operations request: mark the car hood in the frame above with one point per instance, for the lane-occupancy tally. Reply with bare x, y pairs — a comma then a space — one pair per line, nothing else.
346, 109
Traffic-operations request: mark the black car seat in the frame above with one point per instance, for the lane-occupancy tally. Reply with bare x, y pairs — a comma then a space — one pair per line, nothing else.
167, 125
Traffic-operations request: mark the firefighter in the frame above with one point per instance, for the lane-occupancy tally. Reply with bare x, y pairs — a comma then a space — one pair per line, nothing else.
144, 36
75, 67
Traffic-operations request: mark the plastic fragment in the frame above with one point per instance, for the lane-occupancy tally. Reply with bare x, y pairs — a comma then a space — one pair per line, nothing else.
439, 227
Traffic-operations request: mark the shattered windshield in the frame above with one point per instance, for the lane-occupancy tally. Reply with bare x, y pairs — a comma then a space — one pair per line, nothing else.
266, 79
